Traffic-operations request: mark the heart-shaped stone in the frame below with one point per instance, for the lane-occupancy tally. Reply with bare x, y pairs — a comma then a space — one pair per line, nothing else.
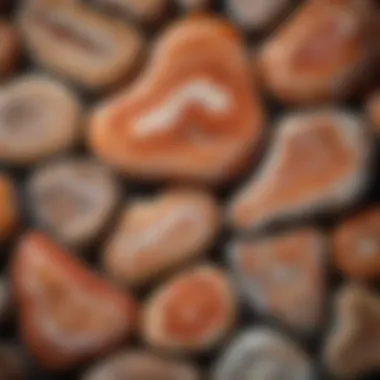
193, 115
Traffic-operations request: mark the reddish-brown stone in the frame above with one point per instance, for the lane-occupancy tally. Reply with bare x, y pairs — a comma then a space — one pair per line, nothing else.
67, 314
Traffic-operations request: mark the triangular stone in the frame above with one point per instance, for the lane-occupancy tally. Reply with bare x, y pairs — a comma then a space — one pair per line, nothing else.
67, 314
283, 276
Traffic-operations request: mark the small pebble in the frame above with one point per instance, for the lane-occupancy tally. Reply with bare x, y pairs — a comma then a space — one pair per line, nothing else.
352, 347
356, 245
263, 354
192, 312
284, 276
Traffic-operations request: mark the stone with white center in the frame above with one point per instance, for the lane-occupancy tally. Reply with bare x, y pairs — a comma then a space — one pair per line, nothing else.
156, 235
192, 115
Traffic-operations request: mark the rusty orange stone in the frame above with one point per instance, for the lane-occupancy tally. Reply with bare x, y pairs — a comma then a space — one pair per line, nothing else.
318, 162
79, 43
193, 114
67, 314
322, 52
283, 276
356, 245
192, 312
141, 365
352, 347
9, 207
10, 48
373, 110
156, 235
263, 354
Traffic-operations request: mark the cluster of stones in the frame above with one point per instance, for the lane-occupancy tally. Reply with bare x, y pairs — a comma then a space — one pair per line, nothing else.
186, 116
